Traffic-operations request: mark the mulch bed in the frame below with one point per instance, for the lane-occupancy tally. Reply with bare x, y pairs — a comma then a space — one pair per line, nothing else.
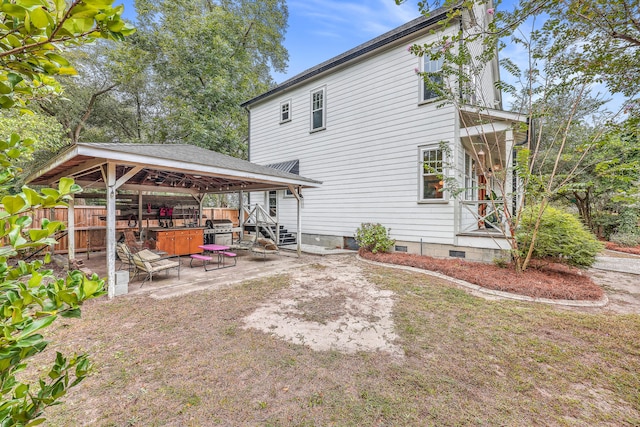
613, 247
541, 280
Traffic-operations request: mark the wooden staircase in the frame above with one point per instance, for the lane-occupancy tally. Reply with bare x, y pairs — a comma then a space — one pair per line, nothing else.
258, 221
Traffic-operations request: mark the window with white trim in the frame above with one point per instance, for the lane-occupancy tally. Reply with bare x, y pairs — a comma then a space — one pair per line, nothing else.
431, 174
285, 111
273, 204
318, 109
432, 80
470, 177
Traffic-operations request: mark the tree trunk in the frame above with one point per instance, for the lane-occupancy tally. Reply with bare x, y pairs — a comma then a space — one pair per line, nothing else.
584, 208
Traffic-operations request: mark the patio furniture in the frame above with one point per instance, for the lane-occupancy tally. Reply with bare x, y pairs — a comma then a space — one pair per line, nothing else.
132, 242
125, 255
150, 263
243, 244
263, 247
219, 251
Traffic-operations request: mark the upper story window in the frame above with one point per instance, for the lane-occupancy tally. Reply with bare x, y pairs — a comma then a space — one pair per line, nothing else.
285, 111
318, 109
431, 171
433, 79
470, 86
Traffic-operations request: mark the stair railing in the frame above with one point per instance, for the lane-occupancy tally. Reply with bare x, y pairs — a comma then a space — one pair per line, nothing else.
256, 215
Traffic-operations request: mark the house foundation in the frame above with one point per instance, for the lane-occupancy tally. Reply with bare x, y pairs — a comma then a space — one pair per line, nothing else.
435, 250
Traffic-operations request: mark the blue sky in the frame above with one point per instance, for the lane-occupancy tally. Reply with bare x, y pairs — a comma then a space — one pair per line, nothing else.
321, 29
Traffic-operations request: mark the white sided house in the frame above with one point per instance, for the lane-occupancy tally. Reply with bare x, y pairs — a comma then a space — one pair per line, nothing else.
365, 125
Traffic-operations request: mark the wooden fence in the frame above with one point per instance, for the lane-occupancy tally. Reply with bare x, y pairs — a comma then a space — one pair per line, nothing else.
91, 230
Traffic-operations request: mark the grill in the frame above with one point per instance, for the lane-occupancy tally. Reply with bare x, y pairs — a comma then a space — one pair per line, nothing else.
216, 228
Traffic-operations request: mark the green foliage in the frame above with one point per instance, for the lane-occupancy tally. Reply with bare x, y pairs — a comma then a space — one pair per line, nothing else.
628, 232
31, 32
565, 153
373, 238
629, 240
31, 297
560, 237
629, 222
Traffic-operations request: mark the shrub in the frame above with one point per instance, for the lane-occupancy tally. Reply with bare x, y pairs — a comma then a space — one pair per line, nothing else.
561, 237
628, 223
627, 240
373, 238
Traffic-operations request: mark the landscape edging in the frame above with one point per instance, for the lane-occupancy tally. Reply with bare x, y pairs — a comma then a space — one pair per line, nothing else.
563, 302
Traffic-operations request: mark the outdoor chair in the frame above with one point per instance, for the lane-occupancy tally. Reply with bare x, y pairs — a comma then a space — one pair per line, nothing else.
125, 256
243, 244
149, 263
132, 242
263, 247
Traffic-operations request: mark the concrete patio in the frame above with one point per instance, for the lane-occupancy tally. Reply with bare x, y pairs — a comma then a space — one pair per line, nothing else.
249, 266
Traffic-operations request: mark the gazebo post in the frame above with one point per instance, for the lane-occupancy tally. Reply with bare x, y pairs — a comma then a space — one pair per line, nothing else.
111, 229
241, 213
297, 193
71, 230
140, 214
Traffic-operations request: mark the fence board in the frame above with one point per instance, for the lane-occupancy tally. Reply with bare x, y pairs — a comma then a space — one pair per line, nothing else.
90, 230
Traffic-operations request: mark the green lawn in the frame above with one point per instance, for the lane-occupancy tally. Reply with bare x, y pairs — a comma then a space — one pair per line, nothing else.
188, 361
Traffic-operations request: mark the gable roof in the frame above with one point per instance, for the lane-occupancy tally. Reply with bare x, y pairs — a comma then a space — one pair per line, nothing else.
381, 41
165, 167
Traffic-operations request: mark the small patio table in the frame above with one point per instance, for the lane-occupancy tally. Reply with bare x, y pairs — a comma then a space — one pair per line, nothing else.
220, 250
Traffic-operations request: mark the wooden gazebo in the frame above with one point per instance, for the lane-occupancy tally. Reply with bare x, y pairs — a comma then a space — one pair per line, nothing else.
166, 168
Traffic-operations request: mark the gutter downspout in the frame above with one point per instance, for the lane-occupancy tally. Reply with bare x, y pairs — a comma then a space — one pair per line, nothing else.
461, 67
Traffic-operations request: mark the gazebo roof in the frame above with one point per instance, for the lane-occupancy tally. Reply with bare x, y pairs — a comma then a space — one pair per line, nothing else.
178, 168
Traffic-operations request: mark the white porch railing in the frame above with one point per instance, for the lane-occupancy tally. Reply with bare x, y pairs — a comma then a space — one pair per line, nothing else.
482, 215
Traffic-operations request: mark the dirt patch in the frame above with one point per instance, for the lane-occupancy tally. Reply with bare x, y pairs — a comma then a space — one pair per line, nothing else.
553, 281
330, 307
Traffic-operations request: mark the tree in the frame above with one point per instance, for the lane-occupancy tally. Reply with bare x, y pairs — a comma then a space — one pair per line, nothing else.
552, 91
32, 36
205, 65
48, 136
83, 92
606, 184
593, 40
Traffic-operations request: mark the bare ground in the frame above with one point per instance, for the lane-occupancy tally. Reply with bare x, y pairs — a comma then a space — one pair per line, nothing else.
339, 342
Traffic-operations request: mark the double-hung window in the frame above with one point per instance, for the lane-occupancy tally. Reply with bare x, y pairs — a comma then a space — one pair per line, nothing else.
433, 81
431, 174
318, 109
285, 111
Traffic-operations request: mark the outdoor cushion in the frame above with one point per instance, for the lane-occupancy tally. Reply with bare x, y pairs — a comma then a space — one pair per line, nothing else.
268, 244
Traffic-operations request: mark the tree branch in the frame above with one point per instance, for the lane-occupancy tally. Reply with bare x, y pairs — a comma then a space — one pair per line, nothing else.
243, 43
88, 111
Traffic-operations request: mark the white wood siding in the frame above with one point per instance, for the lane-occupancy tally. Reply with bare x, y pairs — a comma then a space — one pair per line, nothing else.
368, 156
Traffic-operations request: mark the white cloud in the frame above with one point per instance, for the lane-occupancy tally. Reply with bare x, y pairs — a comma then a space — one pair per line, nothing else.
357, 20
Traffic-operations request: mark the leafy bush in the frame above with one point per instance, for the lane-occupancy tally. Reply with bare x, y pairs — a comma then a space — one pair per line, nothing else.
561, 237
628, 224
373, 238
628, 240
